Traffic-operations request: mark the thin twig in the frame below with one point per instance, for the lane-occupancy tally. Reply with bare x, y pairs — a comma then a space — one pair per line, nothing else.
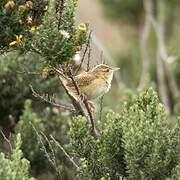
53, 157
65, 153
60, 106
85, 51
7, 140
47, 155
89, 57
50, 147
27, 72
101, 107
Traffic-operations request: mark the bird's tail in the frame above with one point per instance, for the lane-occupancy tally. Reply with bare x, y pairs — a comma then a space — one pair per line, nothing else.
64, 79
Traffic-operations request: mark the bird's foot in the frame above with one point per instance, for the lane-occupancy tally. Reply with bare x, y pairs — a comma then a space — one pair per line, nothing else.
82, 97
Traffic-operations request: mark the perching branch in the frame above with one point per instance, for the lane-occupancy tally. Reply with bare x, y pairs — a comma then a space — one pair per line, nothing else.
85, 103
76, 104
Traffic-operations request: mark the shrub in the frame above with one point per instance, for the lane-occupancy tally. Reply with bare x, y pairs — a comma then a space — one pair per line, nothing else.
16, 167
17, 18
30, 145
136, 143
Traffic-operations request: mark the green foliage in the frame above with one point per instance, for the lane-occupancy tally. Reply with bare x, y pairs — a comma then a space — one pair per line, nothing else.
31, 126
14, 84
17, 18
30, 145
16, 167
57, 41
137, 143
152, 146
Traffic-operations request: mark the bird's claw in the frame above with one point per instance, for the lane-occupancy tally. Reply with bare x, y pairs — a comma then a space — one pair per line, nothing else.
82, 97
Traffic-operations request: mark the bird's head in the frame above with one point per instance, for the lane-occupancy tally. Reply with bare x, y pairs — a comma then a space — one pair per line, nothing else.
104, 70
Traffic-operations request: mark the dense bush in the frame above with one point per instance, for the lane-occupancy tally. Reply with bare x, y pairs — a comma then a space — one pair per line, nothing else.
27, 121
17, 18
16, 76
16, 167
137, 143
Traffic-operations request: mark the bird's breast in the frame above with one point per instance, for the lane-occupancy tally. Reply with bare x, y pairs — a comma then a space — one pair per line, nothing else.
97, 88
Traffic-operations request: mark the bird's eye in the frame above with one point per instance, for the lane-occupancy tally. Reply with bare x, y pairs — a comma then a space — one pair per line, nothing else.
107, 70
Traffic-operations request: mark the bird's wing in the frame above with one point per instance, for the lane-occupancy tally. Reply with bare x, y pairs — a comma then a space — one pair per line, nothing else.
84, 79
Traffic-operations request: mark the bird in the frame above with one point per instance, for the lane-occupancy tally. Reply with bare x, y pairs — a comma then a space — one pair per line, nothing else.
92, 84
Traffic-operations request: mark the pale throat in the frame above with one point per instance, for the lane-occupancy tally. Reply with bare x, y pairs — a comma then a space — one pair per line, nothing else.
108, 81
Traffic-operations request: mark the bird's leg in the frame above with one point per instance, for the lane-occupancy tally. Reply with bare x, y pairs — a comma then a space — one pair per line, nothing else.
82, 97
91, 106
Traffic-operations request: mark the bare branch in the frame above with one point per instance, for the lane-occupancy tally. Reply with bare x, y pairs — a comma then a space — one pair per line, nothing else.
148, 7
89, 56
48, 155
65, 153
48, 100
169, 84
85, 51
101, 107
7, 140
166, 80
27, 72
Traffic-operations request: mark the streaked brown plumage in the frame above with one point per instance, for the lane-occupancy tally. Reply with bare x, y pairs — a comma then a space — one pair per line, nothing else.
92, 84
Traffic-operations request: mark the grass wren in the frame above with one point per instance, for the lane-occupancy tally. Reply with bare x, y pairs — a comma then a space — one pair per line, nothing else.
92, 84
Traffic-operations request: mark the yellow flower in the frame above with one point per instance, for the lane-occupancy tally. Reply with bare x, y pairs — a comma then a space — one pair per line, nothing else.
82, 27
10, 4
33, 29
17, 41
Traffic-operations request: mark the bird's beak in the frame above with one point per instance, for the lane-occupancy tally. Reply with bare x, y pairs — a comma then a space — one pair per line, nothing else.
116, 68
